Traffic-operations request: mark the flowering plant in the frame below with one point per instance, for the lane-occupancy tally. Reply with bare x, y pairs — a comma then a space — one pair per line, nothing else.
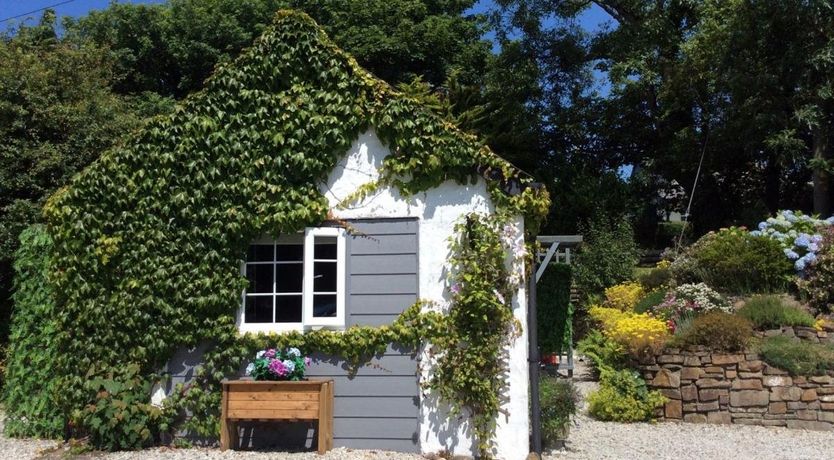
272, 364
689, 300
798, 233
624, 296
636, 333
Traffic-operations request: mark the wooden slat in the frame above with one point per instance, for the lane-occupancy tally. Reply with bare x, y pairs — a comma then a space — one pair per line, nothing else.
272, 396
273, 405
272, 414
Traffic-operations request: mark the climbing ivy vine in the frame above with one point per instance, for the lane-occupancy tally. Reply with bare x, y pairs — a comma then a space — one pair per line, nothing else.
148, 241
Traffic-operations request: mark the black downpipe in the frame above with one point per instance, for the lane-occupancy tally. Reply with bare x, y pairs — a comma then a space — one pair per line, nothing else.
534, 362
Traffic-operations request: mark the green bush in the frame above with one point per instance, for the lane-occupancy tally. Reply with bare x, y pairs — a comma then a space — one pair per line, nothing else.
650, 300
559, 398
29, 393
656, 278
603, 352
771, 312
607, 255
816, 286
623, 397
119, 414
797, 357
669, 232
733, 261
716, 330
555, 312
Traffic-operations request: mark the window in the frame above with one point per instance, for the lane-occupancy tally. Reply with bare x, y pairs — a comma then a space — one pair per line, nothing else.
295, 282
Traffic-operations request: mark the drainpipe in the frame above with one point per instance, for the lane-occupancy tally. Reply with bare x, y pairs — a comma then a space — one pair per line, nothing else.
534, 362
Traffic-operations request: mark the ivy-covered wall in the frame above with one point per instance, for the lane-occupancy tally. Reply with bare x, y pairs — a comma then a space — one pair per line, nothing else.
148, 240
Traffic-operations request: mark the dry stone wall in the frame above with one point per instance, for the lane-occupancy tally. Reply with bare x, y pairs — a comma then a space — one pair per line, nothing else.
707, 387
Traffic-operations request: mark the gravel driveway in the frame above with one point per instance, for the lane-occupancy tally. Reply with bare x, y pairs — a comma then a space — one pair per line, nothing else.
589, 440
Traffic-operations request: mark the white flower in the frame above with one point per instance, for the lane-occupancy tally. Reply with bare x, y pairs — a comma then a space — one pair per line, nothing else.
294, 352
250, 368
289, 365
260, 354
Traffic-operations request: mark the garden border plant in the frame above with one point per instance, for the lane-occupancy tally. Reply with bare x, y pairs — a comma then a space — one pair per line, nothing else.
149, 239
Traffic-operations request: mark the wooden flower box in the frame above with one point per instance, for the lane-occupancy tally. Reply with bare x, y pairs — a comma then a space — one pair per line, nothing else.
258, 400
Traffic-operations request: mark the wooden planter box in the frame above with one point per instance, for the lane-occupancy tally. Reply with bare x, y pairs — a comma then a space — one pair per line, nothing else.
245, 400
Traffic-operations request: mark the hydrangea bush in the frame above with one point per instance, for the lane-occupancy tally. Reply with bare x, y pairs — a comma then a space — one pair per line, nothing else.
799, 234
689, 300
272, 364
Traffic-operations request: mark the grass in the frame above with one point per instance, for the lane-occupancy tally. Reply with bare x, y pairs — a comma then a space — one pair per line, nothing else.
797, 357
771, 312
650, 300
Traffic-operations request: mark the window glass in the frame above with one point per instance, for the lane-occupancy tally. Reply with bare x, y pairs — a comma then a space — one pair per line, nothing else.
325, 248
288, 309
290, 252
260, 277
260, 253
289, 278
324, 276
324, 306
259, 309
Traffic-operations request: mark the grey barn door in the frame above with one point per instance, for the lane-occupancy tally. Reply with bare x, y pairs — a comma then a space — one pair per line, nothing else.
378, 407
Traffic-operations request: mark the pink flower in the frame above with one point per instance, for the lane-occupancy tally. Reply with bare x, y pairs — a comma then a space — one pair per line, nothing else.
307, 361
456, 288
270, 353
278, 368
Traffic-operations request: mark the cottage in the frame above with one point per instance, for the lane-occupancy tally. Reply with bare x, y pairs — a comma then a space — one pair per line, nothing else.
296, 199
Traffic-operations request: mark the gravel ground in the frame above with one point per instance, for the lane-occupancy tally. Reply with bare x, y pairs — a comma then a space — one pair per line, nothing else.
589, 440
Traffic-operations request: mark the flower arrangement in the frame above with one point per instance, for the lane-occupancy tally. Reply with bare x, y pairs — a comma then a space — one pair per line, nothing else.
798, 233
687, 301
624, 296
272, 364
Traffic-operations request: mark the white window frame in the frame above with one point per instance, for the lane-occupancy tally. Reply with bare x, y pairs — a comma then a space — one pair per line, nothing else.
310, 235
308, 321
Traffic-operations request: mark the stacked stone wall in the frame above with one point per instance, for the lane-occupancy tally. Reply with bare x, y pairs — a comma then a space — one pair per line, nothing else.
707, 387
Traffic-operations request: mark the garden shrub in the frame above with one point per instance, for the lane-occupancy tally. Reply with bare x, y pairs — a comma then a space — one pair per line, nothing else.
687, 301
649, 301
717, 331
118, 414
734, 261
637, 333
623, 296
657, 278
603, 352
798, 357
819, 277
559, 399
555, 312
607, 255
799, 235
623, 397
30, 390
668, 233
771, 312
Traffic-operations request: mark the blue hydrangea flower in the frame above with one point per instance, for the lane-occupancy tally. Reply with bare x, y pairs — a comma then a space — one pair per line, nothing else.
756, 233
293, 352
813, 247
803, 240
810, 258
250, 368
762, 225
830, 220
289, 365
791, 254
799, 265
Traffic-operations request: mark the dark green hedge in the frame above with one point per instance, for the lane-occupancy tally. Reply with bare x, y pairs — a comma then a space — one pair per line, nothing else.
555, 312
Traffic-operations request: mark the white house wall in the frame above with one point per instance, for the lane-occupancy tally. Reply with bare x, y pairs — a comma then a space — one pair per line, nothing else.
437, 210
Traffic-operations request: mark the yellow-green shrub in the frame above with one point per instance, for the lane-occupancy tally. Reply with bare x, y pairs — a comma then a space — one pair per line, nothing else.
623, 296
623, 397
637, 333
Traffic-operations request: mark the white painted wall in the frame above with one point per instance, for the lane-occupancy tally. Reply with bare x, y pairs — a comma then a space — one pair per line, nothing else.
438, 210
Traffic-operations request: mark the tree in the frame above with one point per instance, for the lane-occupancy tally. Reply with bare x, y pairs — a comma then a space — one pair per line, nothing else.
57, 114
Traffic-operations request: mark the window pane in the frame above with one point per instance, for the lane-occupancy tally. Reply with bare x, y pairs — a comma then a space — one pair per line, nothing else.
325, 248
324, 305
288, 309
287, 252
259, 253
289, 277
324, 277
260, 277
259, 309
